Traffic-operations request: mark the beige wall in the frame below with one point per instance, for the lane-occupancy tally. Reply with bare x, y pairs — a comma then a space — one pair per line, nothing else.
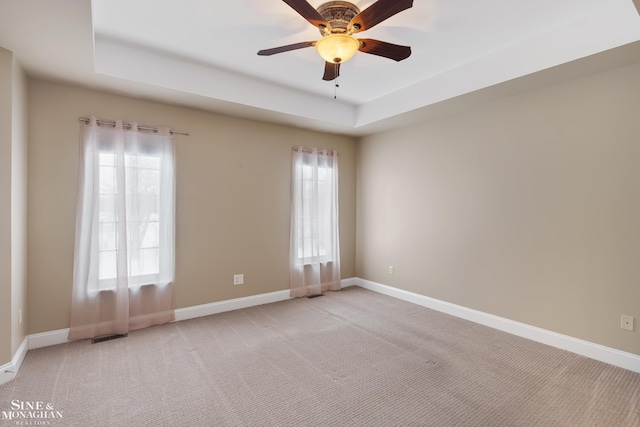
13, 187
527, 208
6, 71
232, 198
19, 207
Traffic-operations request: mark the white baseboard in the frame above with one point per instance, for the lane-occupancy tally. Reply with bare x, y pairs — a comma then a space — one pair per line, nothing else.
239, 303
7, 373
599, 352
10, 370
59, 336
229, 305
46, 339
345, 283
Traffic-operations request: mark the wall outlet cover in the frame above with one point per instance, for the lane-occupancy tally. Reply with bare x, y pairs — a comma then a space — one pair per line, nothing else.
626, 322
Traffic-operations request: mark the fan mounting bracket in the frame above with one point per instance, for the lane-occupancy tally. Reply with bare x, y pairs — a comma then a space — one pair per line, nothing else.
338, 14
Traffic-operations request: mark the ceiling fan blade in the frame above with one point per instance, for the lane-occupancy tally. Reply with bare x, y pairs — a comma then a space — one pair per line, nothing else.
309, 13
387, 50
378, 12
287, 48
331, 71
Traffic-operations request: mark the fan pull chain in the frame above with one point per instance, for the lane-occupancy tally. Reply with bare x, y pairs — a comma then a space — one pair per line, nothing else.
335, 89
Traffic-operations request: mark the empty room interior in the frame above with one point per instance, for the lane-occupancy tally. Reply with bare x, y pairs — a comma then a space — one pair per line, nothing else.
484, 160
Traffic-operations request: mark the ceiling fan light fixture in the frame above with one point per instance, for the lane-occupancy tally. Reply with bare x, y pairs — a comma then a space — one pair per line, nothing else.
337, 48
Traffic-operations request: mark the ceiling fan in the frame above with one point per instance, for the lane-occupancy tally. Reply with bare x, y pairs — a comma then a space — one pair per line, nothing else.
337, 22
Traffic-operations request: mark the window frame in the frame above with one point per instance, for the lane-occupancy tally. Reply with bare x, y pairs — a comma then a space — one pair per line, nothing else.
141, 151
325, 253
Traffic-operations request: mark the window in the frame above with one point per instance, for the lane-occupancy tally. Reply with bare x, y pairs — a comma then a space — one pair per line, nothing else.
129, 217
314, 214
142, 216
315, 245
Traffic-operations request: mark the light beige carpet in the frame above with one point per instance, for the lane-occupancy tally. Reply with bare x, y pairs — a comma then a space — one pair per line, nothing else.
349, 358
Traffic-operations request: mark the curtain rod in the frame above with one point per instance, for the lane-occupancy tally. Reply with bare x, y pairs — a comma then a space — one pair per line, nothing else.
310, 150
87, 120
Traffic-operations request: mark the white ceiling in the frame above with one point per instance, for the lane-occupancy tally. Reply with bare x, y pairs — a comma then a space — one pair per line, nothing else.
202, 53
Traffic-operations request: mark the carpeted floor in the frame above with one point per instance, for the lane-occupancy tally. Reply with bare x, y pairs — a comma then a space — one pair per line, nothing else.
349, 358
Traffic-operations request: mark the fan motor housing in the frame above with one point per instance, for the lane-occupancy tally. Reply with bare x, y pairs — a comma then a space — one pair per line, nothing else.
338, 14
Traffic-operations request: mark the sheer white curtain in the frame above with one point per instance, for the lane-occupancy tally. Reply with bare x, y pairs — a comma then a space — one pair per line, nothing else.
124, 246
315, 244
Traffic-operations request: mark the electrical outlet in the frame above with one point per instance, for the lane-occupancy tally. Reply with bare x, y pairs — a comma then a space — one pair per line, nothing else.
238, 279
626, 322
20, 317
391, 269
